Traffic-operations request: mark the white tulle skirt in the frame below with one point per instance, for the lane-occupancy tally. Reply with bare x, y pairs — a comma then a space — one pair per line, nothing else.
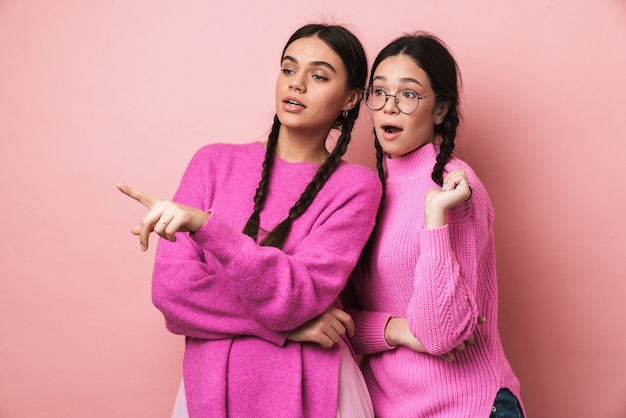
180, 404
353, 399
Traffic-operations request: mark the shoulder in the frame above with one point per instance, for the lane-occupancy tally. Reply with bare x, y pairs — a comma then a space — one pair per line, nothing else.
357, 175
222, 155
347, 171
351, 180
225, 150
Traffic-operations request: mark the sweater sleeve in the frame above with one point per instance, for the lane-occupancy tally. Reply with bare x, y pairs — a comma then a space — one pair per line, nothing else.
196, 301
369, 334
443, 310
187, 284
284, 290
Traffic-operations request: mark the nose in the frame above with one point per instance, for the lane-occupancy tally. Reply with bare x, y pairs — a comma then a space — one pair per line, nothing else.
297, 83
390, 104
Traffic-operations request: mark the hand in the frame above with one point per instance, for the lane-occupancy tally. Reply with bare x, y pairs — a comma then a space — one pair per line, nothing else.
471, 339
325, 329
397, 332
165, 218
437, 202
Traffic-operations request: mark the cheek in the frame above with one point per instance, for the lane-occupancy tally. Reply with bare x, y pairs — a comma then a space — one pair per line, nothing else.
376, 117
330, 102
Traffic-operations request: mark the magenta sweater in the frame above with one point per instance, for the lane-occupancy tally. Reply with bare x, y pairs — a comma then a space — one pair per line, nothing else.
440, 280
235, 301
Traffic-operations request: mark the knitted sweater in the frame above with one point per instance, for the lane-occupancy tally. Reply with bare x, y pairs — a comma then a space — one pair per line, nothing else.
441, 280
235, 301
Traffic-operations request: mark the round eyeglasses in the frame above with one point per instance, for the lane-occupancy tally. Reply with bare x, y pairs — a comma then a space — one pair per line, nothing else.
406, 100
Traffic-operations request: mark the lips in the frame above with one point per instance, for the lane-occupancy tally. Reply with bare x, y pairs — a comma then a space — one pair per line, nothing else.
391, 129
389, 132
292, 101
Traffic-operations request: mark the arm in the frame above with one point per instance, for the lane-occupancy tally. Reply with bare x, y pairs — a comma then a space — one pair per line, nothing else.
195, 299
369, 334
443, 310
325, 330
284, 289
183, 300
252, 290
376, 332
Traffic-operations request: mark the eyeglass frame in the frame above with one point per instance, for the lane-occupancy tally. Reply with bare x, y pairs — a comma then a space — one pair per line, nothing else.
396, 100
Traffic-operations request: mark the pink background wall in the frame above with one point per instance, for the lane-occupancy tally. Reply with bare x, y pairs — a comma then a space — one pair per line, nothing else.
96, 92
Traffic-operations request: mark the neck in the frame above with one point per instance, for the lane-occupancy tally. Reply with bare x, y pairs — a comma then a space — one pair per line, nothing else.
305, 147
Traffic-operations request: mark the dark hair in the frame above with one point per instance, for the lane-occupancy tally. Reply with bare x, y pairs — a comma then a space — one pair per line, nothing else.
433, 56
351, 52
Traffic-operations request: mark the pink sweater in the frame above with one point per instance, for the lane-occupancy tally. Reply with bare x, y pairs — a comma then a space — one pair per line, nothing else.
440, 280
235, 301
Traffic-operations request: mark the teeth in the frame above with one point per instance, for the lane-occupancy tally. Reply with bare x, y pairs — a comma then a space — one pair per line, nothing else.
293, 103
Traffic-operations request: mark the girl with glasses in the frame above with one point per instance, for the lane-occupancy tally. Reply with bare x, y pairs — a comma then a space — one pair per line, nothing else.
429, 271
260, 238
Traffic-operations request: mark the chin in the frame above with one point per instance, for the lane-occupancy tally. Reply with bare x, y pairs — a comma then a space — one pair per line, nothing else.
391, 151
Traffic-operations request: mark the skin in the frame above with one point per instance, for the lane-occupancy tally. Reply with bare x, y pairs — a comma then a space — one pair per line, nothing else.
397, 132
400, 134
326, 329
311, 92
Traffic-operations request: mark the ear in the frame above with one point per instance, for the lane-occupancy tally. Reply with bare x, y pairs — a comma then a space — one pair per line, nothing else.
353, 99
441, 110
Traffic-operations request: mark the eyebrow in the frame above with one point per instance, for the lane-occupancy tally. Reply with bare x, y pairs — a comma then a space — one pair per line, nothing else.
313, 63
402, 80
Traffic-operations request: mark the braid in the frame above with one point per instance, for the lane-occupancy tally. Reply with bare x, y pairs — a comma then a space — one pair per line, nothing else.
252, 226
278, 236
379, 160
447, 131
368, 249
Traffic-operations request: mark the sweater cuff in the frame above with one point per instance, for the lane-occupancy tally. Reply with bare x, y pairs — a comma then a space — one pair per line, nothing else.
275, 337
218, 237
435, 243
372, 331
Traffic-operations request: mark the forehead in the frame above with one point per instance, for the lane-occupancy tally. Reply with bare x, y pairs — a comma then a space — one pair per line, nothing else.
307, 51
401, 68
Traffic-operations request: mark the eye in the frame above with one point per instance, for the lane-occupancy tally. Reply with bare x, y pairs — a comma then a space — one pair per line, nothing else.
408, 94
319, 77
287, 71
377, 91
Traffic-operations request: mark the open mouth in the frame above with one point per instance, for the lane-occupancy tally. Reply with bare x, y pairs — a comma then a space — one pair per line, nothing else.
293, 103
390, 129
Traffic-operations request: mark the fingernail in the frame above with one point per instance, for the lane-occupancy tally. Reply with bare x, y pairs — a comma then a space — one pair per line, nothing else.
443, 187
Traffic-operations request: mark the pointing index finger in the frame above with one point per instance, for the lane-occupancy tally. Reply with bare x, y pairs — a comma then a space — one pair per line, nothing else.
141, 197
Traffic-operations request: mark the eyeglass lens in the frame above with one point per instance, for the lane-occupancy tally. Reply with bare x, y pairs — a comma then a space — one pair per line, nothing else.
406, 100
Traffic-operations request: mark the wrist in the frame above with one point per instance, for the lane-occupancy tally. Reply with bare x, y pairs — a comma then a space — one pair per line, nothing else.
434, 218
199, 220
389, 334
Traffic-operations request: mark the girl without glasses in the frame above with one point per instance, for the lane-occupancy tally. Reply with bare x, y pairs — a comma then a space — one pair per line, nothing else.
429, 269
273, 231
